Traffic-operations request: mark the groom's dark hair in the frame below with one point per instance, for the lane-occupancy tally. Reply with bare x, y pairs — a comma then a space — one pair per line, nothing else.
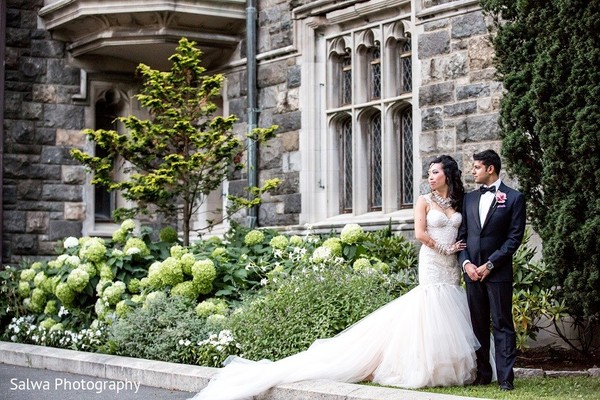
489, 157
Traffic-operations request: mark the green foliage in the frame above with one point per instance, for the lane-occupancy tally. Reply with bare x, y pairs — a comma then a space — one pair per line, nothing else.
11, 305
314, 304
534, 296
546, 57
183, 153
158, 331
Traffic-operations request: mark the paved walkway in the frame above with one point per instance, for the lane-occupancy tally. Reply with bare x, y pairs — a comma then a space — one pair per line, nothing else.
169, 376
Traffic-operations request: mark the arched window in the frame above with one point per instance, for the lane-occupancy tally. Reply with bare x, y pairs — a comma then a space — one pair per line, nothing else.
404, 130
405, 68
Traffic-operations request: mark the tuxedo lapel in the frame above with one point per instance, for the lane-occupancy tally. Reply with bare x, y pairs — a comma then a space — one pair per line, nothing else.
475, 209
489, 213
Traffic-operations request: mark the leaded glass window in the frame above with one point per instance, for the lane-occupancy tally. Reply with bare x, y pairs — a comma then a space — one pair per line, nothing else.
346, 80
406, 66
375, 73
345, 140
106, 113
406, 163
375, 167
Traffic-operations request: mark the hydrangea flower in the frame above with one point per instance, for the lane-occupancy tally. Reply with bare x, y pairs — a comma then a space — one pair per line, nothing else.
106, 272
204, 273
58, 327
122, 308
137, 243
49, 285
38, 300
51, 308
211, 307
153, 280
171, 272
39, 279
321, 255
64, 293
134, 286
36, 266
154, 296
186, 261
117, 253
219, 252
113, 293
382, 267
100, 308
119, 236
279, 242
335, 244
24, 290
177, 251
93, 250
78, 279
254, 237
128, 225
186, 289
27, 275
352, 234
70, 242
72, 261
102, 284
295, 240
362, 264
47, 323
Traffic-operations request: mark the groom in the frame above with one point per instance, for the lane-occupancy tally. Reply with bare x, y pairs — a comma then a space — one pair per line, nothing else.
493, 226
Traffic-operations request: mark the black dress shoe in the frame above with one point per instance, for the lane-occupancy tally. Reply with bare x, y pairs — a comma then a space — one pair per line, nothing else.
506, 385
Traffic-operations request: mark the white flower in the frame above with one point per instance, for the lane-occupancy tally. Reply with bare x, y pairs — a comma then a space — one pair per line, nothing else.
132, 250
71, 242
264, 281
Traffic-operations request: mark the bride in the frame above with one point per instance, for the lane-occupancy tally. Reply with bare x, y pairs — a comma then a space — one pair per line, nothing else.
423, 338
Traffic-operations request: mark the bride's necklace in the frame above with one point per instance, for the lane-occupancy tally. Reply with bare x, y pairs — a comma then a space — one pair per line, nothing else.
443, 202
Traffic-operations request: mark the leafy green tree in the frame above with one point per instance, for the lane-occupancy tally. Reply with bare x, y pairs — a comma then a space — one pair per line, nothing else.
547, 57
183, 153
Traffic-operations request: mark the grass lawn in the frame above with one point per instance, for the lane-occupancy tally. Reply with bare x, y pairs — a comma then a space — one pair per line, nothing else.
532, 389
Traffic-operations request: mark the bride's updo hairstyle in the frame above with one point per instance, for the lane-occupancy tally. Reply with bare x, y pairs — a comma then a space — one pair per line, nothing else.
456, 189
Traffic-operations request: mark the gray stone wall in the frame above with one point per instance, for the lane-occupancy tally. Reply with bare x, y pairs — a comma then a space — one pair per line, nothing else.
278, 82
458, 97
42, 185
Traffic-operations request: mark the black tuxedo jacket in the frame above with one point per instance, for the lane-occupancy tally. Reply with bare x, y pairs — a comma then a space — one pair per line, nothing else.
499, 237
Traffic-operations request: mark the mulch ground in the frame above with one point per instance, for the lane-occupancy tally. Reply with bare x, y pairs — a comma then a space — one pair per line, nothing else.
557, 359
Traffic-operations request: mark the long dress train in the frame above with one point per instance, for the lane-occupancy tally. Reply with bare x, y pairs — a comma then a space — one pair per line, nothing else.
423, 338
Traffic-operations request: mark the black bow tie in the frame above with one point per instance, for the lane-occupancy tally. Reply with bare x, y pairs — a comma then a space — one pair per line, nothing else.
484, 189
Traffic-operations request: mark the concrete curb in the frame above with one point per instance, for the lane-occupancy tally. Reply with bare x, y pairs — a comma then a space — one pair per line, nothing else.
189, 378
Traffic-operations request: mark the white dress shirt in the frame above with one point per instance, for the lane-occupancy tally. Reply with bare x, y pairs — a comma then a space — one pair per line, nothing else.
485, 202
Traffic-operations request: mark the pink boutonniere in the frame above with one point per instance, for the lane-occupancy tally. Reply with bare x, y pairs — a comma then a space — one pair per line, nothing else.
500, 197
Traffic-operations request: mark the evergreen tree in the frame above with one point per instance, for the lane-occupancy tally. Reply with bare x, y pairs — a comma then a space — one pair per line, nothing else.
548, 58
183, 153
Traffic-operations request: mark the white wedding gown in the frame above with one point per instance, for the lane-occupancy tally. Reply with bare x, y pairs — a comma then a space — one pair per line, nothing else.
423, 338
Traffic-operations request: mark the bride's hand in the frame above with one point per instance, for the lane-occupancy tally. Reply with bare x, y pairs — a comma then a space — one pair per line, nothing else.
451, 248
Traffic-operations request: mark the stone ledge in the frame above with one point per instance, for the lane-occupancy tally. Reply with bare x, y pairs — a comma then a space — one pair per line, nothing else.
191, 378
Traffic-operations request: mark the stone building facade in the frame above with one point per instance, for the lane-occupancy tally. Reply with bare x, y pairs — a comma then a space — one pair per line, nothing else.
365, 93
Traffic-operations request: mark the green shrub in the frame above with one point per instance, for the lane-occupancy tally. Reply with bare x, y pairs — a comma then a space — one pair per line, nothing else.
307, 306
533, 294
156, 330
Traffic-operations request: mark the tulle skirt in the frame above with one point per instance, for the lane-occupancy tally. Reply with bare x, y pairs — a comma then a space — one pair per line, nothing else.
421, 339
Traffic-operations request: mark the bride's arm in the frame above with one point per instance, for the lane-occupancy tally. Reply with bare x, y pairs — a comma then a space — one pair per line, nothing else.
421, 234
